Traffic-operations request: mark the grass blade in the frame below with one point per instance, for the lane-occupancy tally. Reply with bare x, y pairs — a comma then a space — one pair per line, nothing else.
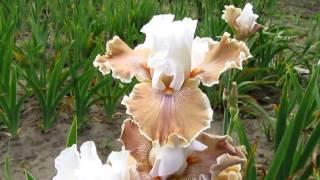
28, 175
7, 170
73, 133
282, 116
308, 148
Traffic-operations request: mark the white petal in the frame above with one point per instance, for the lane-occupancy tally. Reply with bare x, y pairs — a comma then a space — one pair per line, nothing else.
91, 166
119, 162
197, 146
89, 154
72, 165
200, 46
247, 18
156, 21
168, 161
170, 43
178, 79
156, 80
67, 163
116, 158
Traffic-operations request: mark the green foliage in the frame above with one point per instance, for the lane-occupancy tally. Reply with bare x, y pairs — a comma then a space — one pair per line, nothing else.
10, 101
73, 133
292, 149
7, 170
111, 93
28, 175
49, 85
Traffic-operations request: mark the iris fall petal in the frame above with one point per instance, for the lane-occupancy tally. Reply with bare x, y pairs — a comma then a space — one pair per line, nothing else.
223, 55
164, 116
124, 62
138, 146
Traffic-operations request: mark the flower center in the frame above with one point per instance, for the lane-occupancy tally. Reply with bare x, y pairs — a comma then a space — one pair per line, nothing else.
168, 91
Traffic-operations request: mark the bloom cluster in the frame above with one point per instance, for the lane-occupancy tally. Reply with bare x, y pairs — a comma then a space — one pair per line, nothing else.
165, 138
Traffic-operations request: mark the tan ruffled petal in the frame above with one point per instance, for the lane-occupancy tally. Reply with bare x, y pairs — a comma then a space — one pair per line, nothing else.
169, 116
227, 168
228, 53
230, 15
230, 173
138, 146
124, 62
219, 155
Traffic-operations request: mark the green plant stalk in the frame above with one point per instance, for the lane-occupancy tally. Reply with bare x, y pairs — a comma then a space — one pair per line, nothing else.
235, 123
307, 150
310, 169
282, 116
28, 175
73, 133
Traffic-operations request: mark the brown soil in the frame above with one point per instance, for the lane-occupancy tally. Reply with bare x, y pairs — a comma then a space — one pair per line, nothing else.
36, 151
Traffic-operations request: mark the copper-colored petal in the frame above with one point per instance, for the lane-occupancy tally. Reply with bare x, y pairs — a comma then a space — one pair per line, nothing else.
228, 53
243, 35
256, 28
226, 167
124, 62
137, 144
201, 163
170, 116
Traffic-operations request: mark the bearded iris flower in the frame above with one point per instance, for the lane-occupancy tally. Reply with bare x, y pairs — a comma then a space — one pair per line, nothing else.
167, 104
243, 22
165, 138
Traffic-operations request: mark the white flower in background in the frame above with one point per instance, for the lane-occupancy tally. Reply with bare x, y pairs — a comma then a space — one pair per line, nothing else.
242, 21
86, 165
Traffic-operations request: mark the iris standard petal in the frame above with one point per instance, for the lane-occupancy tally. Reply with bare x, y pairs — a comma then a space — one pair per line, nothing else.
67, 163
124, 62
230, 15
89, 154
200, 47
122, 164
166, 116
170, 48
167, 160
